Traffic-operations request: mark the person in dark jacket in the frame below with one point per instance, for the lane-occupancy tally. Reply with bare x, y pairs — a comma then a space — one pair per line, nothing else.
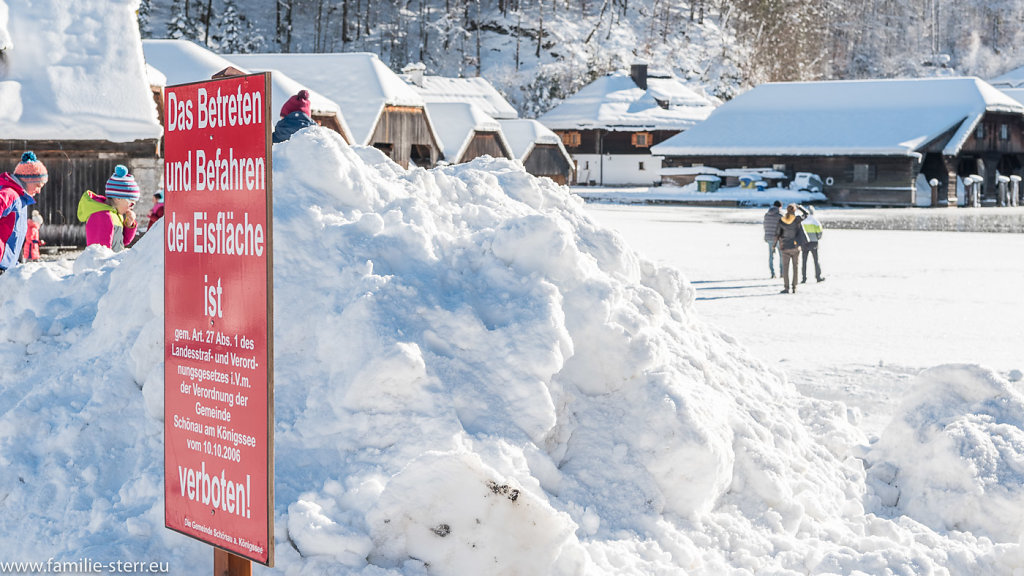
771, 226
17, 193
790, 234
295, 115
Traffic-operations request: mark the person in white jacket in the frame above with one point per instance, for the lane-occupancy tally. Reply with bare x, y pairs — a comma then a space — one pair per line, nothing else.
813, 230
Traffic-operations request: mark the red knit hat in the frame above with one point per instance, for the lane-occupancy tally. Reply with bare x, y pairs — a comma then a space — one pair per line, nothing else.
299, 102
30, 169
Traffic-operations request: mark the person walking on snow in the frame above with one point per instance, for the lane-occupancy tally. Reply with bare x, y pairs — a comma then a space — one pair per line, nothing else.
17, 193
771, 225
295, 115
791, 236
110, 220
813, 230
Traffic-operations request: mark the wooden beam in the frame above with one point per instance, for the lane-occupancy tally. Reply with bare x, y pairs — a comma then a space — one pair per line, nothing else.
227, 564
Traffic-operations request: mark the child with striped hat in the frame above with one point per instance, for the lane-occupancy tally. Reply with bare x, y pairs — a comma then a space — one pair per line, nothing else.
109, 218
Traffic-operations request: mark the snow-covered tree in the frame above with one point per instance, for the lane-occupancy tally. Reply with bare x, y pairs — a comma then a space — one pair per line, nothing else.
144, 14
236, 33
181, 24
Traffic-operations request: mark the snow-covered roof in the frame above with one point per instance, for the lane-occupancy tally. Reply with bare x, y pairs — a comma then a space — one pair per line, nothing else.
615, 102
1012, 79
523, 135
1015, 93
456, 123
80, 80
359, 82
183, 61
859, 117
475, 90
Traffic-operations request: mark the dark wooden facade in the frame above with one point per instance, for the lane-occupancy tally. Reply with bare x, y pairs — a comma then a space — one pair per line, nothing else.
484, 144
404, 134
611, 142
75, 166
547, 160
880, 180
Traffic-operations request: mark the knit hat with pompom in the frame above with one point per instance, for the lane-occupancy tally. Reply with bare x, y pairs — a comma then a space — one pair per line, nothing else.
122, 185
30, 169
299, 101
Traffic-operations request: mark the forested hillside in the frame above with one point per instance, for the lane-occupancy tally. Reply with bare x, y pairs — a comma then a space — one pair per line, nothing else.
539, 51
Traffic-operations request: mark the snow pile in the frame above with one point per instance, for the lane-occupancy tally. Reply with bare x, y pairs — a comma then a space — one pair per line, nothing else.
471, 378
953, 456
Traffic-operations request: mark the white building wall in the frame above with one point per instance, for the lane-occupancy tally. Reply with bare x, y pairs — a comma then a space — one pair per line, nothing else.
618, 169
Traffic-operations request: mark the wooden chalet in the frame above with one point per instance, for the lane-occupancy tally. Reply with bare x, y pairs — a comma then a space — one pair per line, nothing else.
83, 105
381, 109
539, 149
873, 142
466, 132
610, 125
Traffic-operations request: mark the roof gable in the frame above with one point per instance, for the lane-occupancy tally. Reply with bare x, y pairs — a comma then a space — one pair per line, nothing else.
523, 135
456, 123
887, 117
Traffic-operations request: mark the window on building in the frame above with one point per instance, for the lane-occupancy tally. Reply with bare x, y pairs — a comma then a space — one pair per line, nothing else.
979, 132
779, 167
862, 172
642, 166
586, 164
642, 139
1004, 132
571, 139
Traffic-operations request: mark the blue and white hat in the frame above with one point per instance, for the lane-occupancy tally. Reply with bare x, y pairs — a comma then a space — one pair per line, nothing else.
122, 185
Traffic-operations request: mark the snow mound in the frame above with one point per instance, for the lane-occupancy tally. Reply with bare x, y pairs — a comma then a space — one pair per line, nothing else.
472, 377
953, 456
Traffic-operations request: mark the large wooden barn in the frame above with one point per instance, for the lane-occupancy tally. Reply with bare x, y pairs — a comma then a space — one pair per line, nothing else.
873, 142
381, 109
609, 126
81, 102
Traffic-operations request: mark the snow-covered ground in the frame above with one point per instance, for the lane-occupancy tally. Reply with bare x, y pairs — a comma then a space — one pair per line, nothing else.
900, 296
476, 375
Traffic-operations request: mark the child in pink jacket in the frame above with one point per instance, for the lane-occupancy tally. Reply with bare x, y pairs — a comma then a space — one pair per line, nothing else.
110, 220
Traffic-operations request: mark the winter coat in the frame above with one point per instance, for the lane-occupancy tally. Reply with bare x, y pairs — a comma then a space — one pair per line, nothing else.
31, 251
791, 231
812, 228
771, 223
155, 214
103, 225
291, 124
14, 203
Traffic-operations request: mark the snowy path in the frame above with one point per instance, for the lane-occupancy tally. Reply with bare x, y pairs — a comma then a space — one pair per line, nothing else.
894, 302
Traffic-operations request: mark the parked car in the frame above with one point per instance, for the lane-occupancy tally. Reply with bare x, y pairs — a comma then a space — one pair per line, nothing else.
807, 182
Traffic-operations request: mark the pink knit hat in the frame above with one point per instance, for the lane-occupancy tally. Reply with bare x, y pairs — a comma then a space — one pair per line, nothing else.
30, 169
299, 102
